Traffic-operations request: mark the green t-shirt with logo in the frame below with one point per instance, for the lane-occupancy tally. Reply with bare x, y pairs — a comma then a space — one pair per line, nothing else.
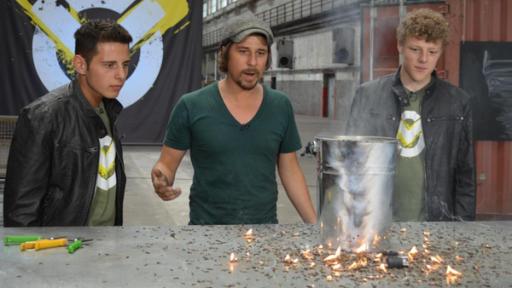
103, 206
234, 165
409, 193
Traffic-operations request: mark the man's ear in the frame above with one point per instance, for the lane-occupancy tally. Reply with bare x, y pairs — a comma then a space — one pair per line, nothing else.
80, 64
399, 47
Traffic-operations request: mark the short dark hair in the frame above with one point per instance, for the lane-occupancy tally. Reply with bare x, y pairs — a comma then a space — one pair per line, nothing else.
93, 32
224, 58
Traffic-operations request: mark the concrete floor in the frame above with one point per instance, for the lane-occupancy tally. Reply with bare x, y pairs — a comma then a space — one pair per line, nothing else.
143, 207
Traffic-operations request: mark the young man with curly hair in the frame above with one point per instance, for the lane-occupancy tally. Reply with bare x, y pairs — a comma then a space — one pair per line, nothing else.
431, 118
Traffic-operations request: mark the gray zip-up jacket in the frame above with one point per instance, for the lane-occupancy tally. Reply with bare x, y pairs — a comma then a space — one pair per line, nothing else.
450, 191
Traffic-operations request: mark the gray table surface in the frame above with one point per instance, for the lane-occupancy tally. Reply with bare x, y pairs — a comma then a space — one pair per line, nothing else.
198, 256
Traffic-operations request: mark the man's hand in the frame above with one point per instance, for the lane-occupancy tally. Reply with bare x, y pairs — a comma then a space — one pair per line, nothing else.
162, 186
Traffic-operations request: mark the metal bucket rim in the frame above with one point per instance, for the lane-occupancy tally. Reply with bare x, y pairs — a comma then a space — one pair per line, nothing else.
357, 138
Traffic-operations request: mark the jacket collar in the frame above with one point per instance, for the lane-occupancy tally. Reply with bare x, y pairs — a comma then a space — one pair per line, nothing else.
112, 106
399, 89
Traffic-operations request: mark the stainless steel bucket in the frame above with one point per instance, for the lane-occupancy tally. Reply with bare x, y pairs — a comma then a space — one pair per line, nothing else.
355, 188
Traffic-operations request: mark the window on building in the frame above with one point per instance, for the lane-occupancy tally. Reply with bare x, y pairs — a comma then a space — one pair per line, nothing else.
205, 8
213, 6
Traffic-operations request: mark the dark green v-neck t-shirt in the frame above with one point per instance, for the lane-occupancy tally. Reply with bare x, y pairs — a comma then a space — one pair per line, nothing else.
234, 165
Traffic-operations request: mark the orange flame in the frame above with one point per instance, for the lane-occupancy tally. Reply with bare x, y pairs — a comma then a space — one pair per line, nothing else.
320, 249
353, 266
364, 247
428, 269
452, 275
412, 253
337, 267
436, 259
307, 254
331, 260
382, 268
450, 270
248, 236
232, 262
376, 239
289, 261
361, 263
378, 257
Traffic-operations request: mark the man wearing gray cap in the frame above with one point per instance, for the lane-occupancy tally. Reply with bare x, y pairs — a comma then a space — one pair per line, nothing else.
237, 130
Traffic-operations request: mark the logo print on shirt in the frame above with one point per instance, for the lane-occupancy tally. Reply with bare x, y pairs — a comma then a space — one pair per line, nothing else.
410, 134
107, 170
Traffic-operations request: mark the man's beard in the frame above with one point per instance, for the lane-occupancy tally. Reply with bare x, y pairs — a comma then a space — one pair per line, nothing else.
247, 85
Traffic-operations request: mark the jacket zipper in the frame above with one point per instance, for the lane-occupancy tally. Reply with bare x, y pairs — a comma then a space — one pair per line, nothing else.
425, 163
444, 118
118, 183
119, 164
95, 151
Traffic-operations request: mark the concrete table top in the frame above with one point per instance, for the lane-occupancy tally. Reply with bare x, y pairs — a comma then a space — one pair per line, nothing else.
198, 256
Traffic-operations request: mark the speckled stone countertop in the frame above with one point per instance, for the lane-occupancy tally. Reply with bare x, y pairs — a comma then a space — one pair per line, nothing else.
198, 256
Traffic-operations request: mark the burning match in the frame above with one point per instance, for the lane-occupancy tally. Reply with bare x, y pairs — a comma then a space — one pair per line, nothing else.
248, 236
452, 275
307, 254
412, 253
289, 261
233, 258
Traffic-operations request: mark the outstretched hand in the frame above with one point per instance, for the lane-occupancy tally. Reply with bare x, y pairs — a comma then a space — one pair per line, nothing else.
163, 188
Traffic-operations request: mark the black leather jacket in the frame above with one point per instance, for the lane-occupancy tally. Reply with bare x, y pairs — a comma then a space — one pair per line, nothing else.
447, 129
53, 161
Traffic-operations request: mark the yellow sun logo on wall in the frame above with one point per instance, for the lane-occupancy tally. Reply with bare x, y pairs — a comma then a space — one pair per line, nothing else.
147, 20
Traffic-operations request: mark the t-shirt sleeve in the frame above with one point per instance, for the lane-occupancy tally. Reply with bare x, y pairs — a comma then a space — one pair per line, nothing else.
291, 140
178, 129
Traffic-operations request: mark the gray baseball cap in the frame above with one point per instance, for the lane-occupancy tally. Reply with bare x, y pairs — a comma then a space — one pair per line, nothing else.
242, 26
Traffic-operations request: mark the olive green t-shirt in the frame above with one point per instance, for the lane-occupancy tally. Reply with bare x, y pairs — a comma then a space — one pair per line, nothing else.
103, 206
409, 193
234, 165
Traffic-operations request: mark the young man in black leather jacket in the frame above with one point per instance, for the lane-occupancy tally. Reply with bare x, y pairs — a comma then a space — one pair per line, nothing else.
435, 177
65, 165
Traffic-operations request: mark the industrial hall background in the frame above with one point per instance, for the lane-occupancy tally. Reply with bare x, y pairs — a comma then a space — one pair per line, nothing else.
324, 50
